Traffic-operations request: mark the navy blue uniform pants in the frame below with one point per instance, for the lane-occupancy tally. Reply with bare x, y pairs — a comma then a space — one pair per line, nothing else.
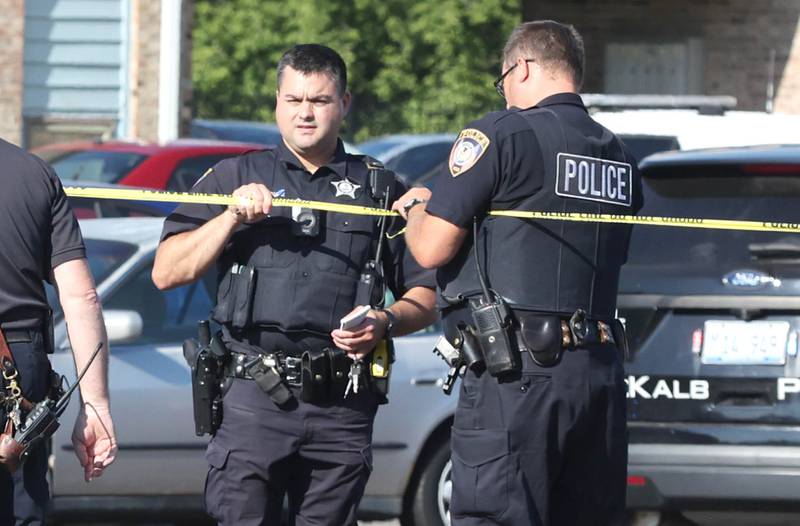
24, 494
545, 447
319, 456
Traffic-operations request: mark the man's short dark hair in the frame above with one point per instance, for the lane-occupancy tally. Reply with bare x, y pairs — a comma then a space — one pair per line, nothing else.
315, 58
553, 45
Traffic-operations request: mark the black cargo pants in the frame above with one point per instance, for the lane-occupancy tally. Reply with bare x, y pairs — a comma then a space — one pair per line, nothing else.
547, 447
24, 494
318, 455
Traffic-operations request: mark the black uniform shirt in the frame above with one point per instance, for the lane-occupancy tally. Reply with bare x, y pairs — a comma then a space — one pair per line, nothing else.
401, 270
508, 169
497, 163
38, 232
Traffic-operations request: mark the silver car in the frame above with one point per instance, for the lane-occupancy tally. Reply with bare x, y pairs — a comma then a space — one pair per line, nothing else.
160, 470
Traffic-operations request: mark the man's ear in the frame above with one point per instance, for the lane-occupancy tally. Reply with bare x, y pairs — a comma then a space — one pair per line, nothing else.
346, 99
277, 94
524, 68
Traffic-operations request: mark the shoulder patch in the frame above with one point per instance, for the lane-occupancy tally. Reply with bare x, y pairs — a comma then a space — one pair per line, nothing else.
468, 148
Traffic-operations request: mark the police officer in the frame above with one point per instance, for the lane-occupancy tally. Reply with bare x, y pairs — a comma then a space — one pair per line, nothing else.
40, 241
286, 278
539, 434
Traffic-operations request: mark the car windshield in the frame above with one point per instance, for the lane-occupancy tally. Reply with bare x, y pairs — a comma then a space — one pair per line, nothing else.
95, 165
377, 147
104, 257
754, 197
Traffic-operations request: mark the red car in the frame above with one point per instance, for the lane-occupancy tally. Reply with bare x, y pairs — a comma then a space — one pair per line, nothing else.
175, 166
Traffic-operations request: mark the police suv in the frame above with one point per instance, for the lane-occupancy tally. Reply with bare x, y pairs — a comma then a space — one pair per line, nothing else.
713, 380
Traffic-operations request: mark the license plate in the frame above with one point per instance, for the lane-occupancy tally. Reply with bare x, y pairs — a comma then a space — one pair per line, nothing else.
745, 342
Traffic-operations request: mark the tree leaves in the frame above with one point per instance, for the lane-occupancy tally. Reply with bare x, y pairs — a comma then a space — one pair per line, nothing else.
414, 66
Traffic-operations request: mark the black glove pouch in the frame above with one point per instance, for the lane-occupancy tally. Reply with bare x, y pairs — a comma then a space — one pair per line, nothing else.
541, 335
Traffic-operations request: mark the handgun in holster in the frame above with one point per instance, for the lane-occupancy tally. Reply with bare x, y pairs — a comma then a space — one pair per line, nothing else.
206, 359
463, 354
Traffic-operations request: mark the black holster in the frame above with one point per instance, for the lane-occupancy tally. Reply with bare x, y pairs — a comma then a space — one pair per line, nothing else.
380, 368
205, 358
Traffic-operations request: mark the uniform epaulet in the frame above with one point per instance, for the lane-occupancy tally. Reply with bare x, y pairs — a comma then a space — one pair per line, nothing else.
371, 162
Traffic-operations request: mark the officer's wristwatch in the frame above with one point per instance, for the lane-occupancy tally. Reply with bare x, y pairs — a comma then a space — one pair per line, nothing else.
390, 319
411, 203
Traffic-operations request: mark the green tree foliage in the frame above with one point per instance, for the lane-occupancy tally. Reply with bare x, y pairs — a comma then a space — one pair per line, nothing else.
414, 66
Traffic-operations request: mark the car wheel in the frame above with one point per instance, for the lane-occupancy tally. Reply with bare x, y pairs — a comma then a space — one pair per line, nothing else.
430, 500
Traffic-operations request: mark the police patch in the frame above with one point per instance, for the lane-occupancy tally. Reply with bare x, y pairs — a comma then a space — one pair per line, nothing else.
469, 147
594, 179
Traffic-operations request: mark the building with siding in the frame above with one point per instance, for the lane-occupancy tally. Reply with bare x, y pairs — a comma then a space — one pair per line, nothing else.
75, 69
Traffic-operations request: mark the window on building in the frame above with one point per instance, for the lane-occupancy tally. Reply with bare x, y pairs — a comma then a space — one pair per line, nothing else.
673, 68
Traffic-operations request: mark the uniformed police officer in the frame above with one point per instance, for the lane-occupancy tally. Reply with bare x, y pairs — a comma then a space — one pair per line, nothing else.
40, 241
287, 276
539, 434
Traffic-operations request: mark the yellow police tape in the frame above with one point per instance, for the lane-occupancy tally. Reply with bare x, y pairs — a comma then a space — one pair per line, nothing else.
219, 199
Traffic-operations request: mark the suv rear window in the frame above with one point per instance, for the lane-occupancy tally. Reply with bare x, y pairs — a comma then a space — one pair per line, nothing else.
727, 193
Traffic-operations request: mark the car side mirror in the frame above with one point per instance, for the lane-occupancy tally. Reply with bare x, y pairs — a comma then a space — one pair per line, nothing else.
123, 326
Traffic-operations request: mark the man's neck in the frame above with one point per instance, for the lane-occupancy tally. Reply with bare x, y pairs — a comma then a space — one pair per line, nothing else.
534, 97
313, 162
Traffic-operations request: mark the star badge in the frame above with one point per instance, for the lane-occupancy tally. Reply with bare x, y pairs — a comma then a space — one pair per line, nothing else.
345, 188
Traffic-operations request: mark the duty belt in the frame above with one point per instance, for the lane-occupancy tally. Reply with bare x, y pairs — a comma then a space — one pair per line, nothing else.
289, 367
596, 332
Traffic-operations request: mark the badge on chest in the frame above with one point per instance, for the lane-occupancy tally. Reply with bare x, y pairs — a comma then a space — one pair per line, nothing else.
346, 188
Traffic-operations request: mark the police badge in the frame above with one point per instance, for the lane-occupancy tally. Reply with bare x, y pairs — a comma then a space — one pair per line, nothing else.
346, 188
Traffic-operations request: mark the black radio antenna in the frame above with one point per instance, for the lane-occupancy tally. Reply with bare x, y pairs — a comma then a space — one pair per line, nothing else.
62, 402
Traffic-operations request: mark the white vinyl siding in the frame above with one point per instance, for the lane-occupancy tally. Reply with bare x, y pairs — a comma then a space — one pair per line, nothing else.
75, 60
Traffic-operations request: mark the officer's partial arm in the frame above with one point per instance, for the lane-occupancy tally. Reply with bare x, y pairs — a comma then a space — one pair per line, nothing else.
93, 437
185, 256
439, 221
432, 240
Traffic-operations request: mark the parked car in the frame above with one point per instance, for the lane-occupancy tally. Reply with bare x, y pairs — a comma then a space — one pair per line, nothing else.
160, 468
233, 130
175, 166
412, 156
264, 133
92, 207
713, 319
